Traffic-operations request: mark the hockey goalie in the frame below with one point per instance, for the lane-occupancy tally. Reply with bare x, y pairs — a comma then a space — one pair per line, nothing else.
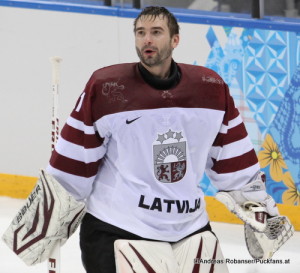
49, 216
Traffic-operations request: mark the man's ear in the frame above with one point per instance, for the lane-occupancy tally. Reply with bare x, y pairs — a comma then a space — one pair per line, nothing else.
175, 40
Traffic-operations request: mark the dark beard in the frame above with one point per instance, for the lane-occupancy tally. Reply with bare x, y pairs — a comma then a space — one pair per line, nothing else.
156, 60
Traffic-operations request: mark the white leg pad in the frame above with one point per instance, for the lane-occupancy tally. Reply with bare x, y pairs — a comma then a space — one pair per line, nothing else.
200, 253
134, 256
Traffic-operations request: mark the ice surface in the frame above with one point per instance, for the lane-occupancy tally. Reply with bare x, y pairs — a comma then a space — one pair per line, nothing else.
230, 237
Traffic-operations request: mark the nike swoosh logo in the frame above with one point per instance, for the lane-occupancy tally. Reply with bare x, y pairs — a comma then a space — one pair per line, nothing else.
130, 121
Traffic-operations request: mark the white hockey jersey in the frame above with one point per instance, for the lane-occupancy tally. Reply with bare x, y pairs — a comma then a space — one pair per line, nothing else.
137, 154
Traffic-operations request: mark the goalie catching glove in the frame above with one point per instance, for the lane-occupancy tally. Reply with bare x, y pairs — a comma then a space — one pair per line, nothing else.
49, 214
265, 230
262, 245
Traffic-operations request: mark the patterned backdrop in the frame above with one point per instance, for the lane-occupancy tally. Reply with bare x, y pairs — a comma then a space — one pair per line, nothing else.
262, 69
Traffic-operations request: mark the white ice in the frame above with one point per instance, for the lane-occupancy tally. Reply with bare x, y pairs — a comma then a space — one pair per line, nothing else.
230, 237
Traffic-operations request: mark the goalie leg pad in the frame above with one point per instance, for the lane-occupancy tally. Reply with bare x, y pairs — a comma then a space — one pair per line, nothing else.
141, 256
49, 215
200, 253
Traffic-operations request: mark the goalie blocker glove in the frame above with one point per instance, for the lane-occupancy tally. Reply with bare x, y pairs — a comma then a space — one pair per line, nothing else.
265, 231
49, 215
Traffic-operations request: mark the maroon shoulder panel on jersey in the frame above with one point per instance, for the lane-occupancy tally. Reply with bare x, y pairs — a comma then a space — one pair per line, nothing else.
120, 88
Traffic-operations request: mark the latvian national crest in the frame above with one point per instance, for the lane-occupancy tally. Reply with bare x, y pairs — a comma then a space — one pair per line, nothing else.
169, 156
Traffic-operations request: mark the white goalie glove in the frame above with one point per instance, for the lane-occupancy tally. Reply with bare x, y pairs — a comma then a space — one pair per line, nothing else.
49, 214
262, 245
265, 230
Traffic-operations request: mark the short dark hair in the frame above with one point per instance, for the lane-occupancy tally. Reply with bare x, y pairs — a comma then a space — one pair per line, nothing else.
155, 12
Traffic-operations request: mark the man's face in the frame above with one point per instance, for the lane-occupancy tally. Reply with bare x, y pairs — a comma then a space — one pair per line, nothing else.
152, 40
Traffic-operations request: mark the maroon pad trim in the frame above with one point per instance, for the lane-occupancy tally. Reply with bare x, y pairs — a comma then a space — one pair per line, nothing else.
142, 259
196, 267
47, 217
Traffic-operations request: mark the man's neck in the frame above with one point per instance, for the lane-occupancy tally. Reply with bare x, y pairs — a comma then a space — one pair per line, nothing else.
160, 71
159, 83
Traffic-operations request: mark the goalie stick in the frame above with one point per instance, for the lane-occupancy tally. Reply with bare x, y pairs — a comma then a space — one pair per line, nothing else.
54, 259
55, 62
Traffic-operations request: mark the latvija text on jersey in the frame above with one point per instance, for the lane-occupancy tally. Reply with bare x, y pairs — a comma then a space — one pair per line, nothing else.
167, 205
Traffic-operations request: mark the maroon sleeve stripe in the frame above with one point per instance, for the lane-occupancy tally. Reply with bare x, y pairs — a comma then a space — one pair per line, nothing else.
234, 134
78, 137
81, 116
236, 163
73, 166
